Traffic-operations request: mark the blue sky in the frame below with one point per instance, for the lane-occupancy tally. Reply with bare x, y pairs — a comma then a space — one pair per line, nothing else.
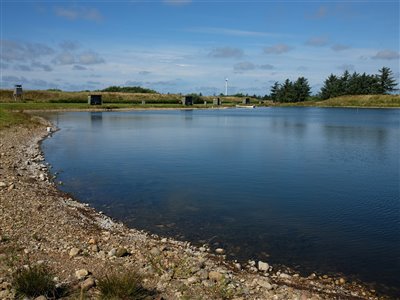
193, 45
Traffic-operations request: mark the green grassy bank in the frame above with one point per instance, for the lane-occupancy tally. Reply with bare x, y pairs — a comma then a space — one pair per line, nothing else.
11, 111
380, 101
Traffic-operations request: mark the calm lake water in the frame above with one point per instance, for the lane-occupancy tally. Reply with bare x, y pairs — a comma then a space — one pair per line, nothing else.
311, 188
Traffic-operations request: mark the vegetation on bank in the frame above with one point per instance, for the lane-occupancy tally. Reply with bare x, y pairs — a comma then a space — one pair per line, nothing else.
382, 83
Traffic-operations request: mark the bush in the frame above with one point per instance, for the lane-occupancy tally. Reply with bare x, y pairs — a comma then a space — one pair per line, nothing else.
123, 286
34, 281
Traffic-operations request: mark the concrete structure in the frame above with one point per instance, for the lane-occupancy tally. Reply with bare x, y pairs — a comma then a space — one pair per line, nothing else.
95, 100
187, 100
17, 91
217, 101
246, 101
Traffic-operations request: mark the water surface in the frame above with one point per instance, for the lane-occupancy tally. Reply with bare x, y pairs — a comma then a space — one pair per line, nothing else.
312, 188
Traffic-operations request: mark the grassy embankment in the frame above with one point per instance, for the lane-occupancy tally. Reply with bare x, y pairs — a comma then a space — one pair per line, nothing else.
11, 111
372, 101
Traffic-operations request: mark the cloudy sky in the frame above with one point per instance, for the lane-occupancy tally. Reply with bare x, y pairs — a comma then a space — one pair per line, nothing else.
193, 45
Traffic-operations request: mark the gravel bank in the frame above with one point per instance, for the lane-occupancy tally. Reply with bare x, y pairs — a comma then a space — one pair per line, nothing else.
41, 225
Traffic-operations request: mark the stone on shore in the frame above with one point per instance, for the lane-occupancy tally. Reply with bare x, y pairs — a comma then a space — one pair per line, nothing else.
74, 252
82, 273
215, 276
263, 266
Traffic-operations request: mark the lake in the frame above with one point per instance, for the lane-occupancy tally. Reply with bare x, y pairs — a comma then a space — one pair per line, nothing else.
315, 189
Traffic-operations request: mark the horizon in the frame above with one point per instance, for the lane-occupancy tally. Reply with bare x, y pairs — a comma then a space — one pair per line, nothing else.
184, 46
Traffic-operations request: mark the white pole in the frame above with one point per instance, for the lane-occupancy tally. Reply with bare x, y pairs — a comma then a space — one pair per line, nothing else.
226, 87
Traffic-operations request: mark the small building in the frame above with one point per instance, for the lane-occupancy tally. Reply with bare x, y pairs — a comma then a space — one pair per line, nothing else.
17, 91
95, 100
187, 100
246, 101
217, 101
143, 102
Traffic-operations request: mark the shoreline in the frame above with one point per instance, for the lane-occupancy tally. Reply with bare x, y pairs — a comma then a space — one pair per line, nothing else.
48, 226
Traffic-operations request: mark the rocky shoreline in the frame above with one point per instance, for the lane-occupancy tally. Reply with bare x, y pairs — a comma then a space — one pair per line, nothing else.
41, 225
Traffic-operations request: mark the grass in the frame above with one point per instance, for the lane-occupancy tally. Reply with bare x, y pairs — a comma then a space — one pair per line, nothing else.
388, 101
34, 281
126, 285
9, 118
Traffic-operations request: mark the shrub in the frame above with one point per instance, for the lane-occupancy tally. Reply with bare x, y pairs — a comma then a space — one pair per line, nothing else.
34, 281
123, 286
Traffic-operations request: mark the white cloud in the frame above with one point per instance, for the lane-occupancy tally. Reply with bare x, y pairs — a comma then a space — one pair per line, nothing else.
318, 41
232, 32
277, 49
226, 52
79, 68
90, 58
64, 58
340, 47
13, 51
387, 55
244, 66
79, 13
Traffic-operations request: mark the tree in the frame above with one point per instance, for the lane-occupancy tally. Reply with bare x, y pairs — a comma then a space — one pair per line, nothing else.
301, 89
275, 89
386, 82
287, 92
331, 87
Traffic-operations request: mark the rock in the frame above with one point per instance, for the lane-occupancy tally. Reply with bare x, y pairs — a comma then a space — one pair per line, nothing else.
192, 280
202, 249
219, 251
88, 284
215, 276
203, 274
155, 251
264, 284
2, 184
263, 266
112, 252
121, 251
238, 266
163, 240
42, 177
342, 281
11, 187
94, 248
284, 275
82, 273
74, 252
41, 298
92, 241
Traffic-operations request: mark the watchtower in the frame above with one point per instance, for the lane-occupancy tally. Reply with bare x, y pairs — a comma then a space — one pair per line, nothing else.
18, 93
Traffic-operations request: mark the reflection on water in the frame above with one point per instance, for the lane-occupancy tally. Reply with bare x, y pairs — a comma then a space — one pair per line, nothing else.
316, 189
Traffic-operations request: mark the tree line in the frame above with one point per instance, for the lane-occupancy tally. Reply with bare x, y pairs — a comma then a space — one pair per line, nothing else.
334, 86
129, 89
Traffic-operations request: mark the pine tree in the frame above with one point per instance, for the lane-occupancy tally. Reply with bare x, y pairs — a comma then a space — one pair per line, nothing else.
386, 81
331, 87
275, 89
301, 89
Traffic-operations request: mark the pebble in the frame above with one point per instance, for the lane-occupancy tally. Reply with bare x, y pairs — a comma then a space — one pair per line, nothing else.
74, 252
88, 284
2, 184
41, 298
155, 251
192, 280
215, 276
82, 273
121, 251
263, 266
219, 251
264, 283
